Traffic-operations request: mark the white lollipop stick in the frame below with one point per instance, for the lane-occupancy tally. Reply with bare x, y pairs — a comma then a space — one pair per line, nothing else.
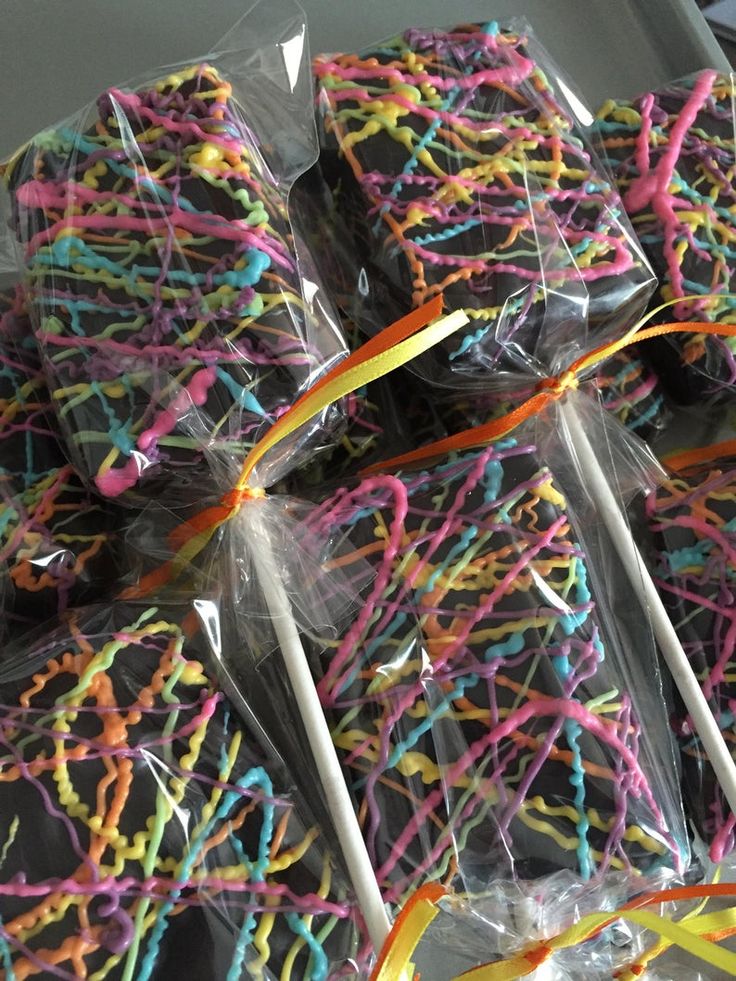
336, 793
665, 634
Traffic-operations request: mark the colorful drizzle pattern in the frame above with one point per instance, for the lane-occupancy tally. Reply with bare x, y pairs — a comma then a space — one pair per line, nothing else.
475, 181
56, 541
480, 713
632, 391
674, 157
694, 520
143, 833
163, 281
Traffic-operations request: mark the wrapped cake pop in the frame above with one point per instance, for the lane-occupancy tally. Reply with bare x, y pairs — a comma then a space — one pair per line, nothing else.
460, 165
508, 589
692, 516
148, 831
673, 157
486, 716
252, 563
162, 271
440, 724
57, 541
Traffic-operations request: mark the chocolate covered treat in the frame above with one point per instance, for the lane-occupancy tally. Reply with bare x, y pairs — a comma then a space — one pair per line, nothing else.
673, 155
147, 832
57, 541
459, 168
631, 390
693, 518
164, 283
486, 715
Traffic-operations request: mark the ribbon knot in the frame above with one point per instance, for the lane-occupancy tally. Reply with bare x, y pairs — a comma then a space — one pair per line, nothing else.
235, 498
390, 348
562, 383
549, 389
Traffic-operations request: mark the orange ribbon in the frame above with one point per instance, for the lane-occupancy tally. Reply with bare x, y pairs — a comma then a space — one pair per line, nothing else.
549, 390
403, 939
705, 454
188, 539
422, 908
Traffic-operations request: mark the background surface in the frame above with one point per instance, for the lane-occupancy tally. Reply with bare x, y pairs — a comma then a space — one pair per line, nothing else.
55, 56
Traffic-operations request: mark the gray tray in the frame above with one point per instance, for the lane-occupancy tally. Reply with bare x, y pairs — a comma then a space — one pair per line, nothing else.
55, 57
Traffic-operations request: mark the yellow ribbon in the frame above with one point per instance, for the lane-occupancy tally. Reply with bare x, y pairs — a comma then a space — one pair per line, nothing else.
687, 935
342, 382
549, 390
391, 348
410, 926
695, 933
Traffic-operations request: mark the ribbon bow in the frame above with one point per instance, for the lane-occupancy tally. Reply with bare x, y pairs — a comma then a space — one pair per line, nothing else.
394, 346
551, 389
695, 933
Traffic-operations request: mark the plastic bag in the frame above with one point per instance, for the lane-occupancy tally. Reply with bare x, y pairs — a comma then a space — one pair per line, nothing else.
627, 386
497, 707
633, 392
692, 516
57, 542
397, 414
460, 163
147, 831
163, 274
673, 155
389, 416
254, 568
460, 939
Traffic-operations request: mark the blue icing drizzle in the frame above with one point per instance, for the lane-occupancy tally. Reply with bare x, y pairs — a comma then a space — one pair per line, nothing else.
244, 396
695, 555
448, 233
71, 251
645, 416
256, 776
457, 550
573, 730
438, 712
572, 621
319, 965
514, 645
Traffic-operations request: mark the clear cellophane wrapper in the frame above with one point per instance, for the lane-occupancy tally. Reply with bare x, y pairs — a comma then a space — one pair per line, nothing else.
149, 828
226, 564
458, 161
633, 392
162, 270
691, 516
496, 705
672, 153
58, 542
399, 413
462, 937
